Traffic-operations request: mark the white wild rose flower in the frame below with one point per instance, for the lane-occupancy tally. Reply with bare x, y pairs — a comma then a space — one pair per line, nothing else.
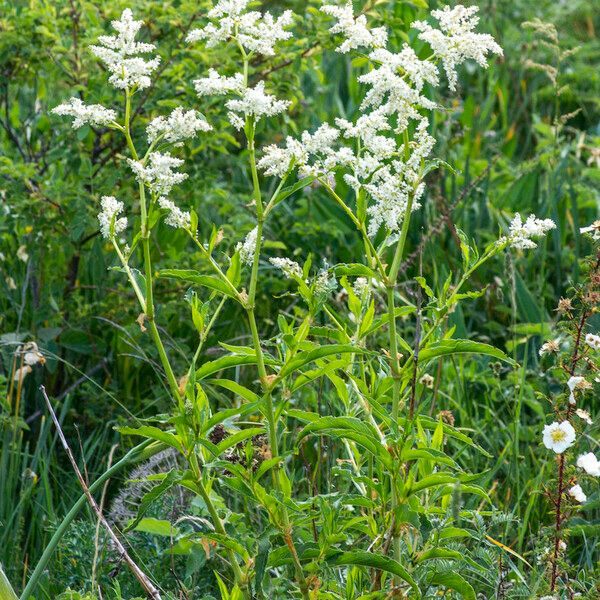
289, 267
85, 114
158, 173
178, 126
589, 463
111, 208
247, 248
577, 383
176, 218
593, 341
521, 234
218, 85
256, 32
549, 347
254, 102
584, 415
593, 230
120, 54
577, 493
455, 41
559, 436
355, 30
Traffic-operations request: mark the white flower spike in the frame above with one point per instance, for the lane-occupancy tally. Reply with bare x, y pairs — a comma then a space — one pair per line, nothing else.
85, 114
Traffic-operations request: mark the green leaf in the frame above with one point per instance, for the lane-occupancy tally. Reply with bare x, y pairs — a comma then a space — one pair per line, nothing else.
153, 433
456, 582
292, 189
375, 561
196, 278
303, 358
448, 347
157, 527
226, 362
353, 270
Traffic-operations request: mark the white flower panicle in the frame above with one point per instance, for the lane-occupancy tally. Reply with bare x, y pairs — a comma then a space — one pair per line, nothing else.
589, 463
85, 114
521, 234
176, 218
254, 102
593, 341
289, 267
111, 208
361, 286
577, 493
559, 436
355, 30
120, 53
455, 41
247, 248
256, 32
219, 85
180, 125
158, 173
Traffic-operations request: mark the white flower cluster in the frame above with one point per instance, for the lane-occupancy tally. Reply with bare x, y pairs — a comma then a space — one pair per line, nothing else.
176, 218
219, 85
256, 32
247, 248
158, 173
178, 126
455, 41
289, 267
521, 234
85, 114
389, 172
254, 102
355, 31
110, 225
120, 53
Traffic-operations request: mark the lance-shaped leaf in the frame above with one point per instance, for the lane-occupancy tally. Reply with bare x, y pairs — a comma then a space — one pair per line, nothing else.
226, 362
456, 582
154, 433
304, 358
375, 561
448, 347
196, 278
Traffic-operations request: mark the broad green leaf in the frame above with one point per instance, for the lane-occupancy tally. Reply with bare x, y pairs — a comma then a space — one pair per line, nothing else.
157, 527
153, 433
448, 347
228, 361
303, 358
456, 582
375, 561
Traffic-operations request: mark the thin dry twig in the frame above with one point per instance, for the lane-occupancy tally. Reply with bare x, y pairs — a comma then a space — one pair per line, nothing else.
144, 580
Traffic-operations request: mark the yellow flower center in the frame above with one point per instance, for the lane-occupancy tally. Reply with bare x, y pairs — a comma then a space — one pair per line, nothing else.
558, 435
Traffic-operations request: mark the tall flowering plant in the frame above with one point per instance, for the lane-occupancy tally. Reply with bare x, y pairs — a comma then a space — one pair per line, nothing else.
399, 516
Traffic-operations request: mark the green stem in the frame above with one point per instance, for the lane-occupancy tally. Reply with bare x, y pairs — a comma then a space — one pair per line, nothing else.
143, 451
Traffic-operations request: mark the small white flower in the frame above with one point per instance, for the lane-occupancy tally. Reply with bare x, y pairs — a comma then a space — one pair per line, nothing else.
31, 354
85, 114
550, 347
589, 463
22, 253
289, 267
593, 341
593, 229
22, 372
247, 248
584, 415
427, 380
559, 436
111, 208
120, 54
176, 217
361, 286
577, 493
577, 383
178, 126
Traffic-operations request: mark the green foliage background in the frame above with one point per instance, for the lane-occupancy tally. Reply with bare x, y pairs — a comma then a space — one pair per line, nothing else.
496, 133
